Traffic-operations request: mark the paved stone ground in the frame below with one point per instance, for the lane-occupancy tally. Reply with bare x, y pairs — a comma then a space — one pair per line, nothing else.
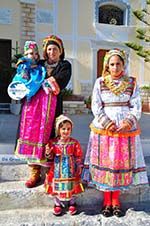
85, 217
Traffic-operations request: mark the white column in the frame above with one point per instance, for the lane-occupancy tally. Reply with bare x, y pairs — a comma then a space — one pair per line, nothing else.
94, 66
55, 16
75, 72
94, 61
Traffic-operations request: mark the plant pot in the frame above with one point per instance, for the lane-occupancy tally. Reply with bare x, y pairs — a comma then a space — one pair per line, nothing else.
145, 96
146, 107
88, 105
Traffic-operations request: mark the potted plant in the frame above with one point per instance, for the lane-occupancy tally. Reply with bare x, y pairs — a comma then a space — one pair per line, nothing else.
87, 101
68, 95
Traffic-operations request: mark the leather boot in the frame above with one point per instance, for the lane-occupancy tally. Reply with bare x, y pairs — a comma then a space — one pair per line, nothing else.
35, 176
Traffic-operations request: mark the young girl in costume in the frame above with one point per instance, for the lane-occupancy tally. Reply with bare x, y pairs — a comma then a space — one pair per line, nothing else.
65, 154
114, 160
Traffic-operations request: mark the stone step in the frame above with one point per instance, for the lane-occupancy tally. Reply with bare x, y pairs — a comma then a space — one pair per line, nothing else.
147, 162
14, 195
4, 108
75, 107
84, 217
6, 148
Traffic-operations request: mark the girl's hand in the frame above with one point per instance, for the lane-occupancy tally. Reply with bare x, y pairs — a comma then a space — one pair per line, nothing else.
48, 152
47, 149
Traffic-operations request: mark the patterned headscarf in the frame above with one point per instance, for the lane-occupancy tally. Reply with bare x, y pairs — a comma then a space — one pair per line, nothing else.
59, 120
53, 39
30, 45
111, 53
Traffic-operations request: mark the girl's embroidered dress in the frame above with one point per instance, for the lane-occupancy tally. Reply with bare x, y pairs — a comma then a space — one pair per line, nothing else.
114, 161
63, 180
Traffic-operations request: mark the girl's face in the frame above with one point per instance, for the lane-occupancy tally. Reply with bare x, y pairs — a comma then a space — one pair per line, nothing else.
31, 54
53, 53
65, 130
116, 66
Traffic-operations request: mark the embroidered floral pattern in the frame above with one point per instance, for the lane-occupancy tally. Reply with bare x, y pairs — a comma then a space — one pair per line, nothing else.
117, 89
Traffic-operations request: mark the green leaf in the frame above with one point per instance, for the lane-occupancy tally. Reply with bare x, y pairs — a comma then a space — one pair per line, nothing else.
140, 36
147, 59
142, 54
148, 2
147, 39
139, 14
134, 46
141, 31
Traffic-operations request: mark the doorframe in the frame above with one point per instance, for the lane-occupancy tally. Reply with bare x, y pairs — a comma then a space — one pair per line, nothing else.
100, 58
6, 58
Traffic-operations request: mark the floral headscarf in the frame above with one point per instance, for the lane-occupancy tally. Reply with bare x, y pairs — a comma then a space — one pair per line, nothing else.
111, 53
30, 45
55, 40
59, 120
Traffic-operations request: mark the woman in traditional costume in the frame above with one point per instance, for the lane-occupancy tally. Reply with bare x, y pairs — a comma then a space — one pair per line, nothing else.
63, 180
38, 114
114, 159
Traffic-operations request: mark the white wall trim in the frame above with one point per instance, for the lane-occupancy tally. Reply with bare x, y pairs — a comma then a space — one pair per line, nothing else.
36, 36
75, 79
29, 1
74, 26
141, 72
55, 16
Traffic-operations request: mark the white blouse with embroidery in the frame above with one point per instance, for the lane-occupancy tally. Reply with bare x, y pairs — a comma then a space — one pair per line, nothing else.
115, 113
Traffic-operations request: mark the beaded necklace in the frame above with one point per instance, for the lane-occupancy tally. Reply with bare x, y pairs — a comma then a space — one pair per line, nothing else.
117, 89
50, 67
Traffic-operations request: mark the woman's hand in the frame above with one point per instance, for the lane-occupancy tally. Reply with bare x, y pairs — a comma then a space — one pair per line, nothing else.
46, 86
124, 126
112, 127
53, 84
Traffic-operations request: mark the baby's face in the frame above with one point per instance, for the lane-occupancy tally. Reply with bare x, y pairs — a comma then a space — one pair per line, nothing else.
31, 54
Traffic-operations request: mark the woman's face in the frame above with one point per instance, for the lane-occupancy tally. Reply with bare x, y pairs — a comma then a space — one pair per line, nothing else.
53, 53
116, 66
